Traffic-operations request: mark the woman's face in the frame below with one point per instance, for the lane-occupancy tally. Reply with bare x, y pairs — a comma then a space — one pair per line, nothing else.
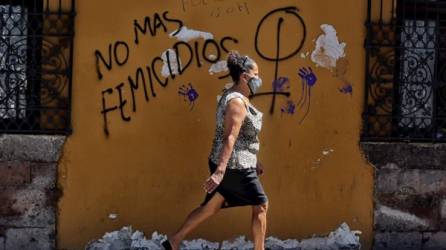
254, 72
251, 80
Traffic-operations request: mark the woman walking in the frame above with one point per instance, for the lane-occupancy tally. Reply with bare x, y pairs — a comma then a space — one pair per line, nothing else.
233, 158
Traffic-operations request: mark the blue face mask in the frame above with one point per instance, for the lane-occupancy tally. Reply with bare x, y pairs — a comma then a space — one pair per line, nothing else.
254, 83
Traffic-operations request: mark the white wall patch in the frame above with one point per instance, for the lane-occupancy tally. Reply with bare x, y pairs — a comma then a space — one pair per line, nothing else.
328, 48
187, 34
174, 67
220, 66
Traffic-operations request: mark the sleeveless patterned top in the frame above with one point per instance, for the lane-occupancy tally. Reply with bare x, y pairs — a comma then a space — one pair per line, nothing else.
244, 153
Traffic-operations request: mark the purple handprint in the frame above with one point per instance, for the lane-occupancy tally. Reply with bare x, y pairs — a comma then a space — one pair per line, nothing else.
307, 75
309, 79
281, 84
288, 108
346, 89
189, 92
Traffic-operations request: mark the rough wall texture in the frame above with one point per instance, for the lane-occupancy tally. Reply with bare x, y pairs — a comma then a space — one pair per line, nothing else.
28, 191
409, 195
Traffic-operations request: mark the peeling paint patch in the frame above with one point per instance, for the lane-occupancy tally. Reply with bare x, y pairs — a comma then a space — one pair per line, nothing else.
220, 66
113, 216
304, 55
173, 61
328, 48
329, 53
185, 34
325, 153
341, 73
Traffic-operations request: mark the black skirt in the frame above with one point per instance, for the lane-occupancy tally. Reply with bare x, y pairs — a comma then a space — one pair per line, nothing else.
239, 187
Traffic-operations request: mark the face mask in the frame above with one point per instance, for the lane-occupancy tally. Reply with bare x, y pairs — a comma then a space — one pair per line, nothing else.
254, 84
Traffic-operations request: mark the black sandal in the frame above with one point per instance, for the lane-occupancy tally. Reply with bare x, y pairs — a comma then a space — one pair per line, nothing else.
166, 244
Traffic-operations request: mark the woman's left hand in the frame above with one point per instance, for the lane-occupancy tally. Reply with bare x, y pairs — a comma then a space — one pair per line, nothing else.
213, 181
259, 168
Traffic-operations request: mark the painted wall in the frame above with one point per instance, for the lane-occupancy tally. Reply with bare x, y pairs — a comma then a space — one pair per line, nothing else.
145, 158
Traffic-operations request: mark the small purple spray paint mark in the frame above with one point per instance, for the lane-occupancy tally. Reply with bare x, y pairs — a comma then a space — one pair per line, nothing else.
190, 93
309, 79
281, 84
347, 89
288, 108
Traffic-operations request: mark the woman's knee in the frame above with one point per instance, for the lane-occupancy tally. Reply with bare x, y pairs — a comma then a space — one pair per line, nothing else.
262, 208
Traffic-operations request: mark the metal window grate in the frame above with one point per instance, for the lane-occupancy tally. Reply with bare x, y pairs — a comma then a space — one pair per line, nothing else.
36, 53
405, 94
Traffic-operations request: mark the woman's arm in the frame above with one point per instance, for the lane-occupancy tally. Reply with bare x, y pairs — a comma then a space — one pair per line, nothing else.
234, 115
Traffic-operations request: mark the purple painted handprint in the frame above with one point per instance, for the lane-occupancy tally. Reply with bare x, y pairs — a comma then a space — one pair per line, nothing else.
281, 84
307, 75
347, 89
309, 79
288, 108
189, 92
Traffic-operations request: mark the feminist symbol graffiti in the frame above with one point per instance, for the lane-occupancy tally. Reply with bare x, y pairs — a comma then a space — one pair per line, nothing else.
284, 16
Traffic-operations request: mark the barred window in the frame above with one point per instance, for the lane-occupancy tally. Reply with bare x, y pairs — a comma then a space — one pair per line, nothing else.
36, 49
405, 97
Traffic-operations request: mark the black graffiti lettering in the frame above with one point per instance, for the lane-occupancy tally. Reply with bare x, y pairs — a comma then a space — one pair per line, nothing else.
217, 50
164, 84
106, 109
158, 23
122, 103
176, 47
225, 49
224, 39
152, 25
173, 20
169, 66
149, 73
197, 54
138, 29
134, 85
126, 52
107, 63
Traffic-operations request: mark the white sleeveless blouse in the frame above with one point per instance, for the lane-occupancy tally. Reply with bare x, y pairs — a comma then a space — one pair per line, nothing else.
246, 147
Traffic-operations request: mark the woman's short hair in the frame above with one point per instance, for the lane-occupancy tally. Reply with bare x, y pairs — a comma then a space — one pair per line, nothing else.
238, 64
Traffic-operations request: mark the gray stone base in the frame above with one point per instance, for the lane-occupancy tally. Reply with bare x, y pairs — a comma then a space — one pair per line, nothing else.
28, 191
410, 241
409, 195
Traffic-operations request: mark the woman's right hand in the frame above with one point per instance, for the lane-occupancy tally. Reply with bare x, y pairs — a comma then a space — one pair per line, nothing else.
213, 181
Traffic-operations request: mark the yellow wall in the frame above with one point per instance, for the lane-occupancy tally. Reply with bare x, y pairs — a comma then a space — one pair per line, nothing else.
150, 170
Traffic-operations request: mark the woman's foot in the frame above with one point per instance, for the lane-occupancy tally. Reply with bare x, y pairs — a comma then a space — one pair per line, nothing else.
174, 242
166, 244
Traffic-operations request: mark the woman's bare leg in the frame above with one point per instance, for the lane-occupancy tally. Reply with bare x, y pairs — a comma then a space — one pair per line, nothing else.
197, 216
258, 225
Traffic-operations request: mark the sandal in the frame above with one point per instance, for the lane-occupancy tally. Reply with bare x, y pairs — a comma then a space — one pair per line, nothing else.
166, 244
